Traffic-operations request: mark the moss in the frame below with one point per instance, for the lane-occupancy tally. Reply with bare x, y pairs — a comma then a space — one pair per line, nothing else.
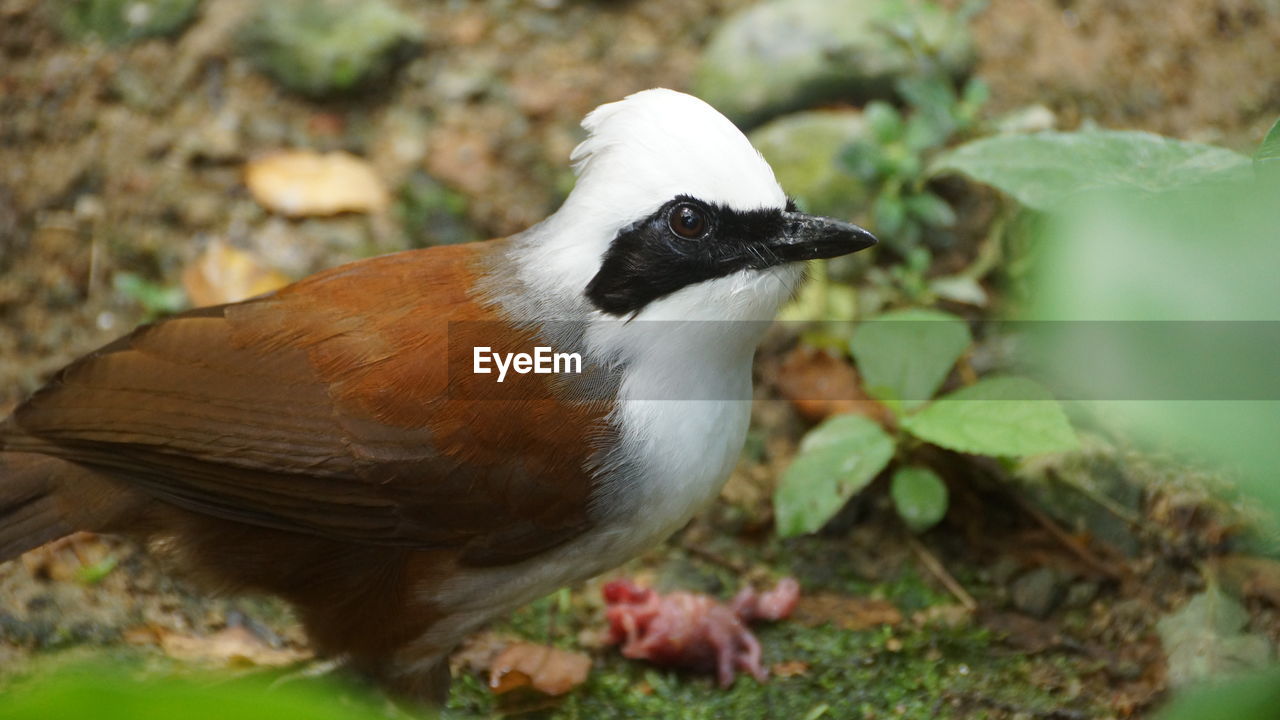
929, 673
934, 671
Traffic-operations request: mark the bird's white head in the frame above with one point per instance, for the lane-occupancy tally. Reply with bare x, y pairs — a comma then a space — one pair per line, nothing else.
675, 216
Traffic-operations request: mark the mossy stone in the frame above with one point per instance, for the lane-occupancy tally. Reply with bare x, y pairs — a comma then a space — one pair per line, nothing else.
117, 22
322, 48
804, 150
790, 54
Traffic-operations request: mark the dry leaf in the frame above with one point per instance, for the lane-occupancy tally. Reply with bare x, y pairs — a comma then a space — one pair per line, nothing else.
790, 668
846, 612
549, 670
231, 646
224, 274
478, 651
303, 183
820, 385
1251, 577
1207, 638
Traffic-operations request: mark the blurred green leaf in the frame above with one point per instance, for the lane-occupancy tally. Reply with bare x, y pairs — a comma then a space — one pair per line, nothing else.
95, 573
920, 497
836, 459
931, 210
1249, 697
888, 215
1202, 253
975, 94
155, 299
907, 354
1266, 160
885, 121
862, 160
1004, 416
99, 693
1041, 170
932, 99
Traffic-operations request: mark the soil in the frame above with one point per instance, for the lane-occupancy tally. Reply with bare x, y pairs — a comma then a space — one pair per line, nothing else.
119, 162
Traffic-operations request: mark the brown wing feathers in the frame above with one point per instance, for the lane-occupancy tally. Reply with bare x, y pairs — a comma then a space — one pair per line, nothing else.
324, 409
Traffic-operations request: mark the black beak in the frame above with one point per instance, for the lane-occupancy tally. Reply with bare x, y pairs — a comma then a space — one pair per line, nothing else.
807, 237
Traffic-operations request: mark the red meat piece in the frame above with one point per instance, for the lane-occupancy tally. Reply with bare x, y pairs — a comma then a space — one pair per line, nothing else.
692, 630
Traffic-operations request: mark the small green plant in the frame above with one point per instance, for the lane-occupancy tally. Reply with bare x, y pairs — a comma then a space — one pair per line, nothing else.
1158, 232
156, 300
904, 357
893, 160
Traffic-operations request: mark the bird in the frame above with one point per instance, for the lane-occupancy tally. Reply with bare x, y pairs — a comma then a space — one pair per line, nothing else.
336, 443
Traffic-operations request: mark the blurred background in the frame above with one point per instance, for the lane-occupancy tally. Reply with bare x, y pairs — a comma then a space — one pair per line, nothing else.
1016, 557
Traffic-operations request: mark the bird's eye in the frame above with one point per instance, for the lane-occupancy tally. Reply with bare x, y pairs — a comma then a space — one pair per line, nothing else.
688, 221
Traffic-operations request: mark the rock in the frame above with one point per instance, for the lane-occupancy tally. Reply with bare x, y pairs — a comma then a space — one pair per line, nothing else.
117, 22
1038, 592
322, 48
804, 150
789, 54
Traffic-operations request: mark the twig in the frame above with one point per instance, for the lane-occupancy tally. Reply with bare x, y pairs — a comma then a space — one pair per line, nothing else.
935, 566
713, 558
1074, 546
1105, 502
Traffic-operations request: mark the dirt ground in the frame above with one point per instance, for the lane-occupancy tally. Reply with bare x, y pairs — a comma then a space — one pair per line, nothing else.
127, 161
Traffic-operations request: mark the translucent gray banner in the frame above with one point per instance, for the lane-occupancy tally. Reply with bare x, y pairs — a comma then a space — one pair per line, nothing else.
701, 360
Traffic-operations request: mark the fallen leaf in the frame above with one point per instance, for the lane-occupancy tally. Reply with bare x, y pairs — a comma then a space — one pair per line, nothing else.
1252, 577
790, 668
224, 274
304, 183
846, 612
819, 384
549, 670
951, 616
234, 645
1204, 640
141, 635
1022, 632
478, 651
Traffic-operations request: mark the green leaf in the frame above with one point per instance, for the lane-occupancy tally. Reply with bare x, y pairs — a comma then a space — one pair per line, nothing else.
888, 213
920, 497
975, 94
931, 210
1041, 170
97, 572
836, 459
1005, 416
1269, 150
886, 123
907, 354
1267, 158
106, 693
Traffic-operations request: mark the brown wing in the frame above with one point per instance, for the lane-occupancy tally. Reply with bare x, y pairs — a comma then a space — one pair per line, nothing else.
329, 408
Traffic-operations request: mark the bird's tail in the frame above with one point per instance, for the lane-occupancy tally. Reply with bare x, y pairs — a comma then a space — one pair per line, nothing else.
29, 512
